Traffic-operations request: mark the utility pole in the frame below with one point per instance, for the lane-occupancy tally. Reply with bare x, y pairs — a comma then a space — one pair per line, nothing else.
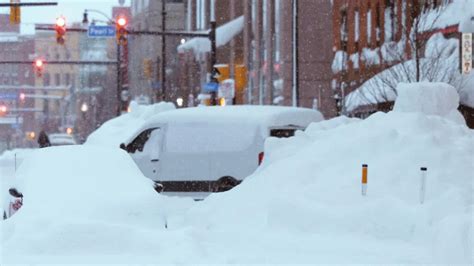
119, 83
295, 54
163, 50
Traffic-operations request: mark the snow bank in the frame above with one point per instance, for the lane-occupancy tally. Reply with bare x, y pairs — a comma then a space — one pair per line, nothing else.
305, 205
429, 98
120, 129
83, 201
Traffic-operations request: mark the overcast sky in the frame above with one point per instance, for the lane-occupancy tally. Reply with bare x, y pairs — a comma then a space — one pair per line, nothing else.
71, 9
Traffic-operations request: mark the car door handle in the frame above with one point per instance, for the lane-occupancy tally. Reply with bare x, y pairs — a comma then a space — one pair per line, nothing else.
155, 160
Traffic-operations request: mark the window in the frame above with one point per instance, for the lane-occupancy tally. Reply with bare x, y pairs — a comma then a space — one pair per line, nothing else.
46, 79
67, 78
139, 142
57, 79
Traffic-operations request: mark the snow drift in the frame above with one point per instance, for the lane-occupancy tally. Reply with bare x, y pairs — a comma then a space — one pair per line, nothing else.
303, 205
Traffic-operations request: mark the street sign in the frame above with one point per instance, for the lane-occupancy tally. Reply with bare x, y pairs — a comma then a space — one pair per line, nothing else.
101, 32
8, 96
211, 87
466, 53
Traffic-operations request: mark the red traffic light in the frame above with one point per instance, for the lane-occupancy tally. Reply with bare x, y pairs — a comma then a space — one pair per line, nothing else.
39, 63
22, 96
61, 22
122, 21
3, 109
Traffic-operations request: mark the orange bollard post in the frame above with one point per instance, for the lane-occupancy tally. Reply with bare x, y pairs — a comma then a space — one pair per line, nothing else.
364, 179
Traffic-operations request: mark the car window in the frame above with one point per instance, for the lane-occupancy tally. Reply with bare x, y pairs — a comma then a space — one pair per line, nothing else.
282, 133
152, 146
138, 143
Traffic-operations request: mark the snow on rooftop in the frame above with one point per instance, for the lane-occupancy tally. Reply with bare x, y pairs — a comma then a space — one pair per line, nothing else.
224, 34
440, 65
262, 115
455, 13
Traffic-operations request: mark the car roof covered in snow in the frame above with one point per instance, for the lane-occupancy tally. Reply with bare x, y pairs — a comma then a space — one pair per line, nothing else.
262, 115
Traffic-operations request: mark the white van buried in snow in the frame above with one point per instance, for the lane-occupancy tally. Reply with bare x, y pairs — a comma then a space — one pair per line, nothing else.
196, 151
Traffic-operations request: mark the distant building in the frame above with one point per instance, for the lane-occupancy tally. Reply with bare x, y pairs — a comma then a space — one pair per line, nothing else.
56, 86
15, 80
145, 51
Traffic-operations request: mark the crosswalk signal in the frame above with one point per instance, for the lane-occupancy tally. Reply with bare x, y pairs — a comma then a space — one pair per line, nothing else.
15, 13
121, 32
60, 28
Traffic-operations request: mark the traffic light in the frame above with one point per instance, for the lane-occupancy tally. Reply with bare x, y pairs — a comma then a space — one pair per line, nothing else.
3, 109
60, 28
121, 32
39, 67
15, 13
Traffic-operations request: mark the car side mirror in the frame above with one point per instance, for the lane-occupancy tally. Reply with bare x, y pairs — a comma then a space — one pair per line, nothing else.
123, 147
158, 187
15, 193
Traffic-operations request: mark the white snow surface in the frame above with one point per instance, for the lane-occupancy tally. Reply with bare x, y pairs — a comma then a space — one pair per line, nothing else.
303, 205
224, 34
120, 129
429, 98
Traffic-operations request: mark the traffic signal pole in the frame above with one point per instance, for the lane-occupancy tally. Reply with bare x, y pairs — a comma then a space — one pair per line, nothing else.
119, 82
211, 34
163, 51
212, 37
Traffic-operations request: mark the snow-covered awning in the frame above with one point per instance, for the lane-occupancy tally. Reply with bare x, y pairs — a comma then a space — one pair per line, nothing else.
224, 34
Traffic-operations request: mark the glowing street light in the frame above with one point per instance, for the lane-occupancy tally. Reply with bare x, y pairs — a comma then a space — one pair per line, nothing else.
84, 107
179, 102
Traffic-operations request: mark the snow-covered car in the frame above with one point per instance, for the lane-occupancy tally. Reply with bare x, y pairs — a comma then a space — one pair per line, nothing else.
16, 201
196, 151
93, 196
59, 139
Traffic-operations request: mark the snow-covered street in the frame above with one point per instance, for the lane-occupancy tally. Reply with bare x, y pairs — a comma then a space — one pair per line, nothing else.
88, 204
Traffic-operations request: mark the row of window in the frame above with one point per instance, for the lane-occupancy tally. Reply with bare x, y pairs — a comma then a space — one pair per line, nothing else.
67, 79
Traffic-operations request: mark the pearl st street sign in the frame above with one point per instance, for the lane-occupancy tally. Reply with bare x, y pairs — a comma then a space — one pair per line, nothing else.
101, 32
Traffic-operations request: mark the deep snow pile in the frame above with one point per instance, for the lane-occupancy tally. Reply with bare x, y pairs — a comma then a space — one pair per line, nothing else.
304, 205
83, 201
117, 130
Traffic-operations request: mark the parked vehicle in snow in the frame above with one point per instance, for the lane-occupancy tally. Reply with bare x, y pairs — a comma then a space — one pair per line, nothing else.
59, 139
196, 151
15, 203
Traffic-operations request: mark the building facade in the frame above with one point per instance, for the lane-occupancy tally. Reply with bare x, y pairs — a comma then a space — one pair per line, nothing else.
55, 86
16, 83
145, 51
